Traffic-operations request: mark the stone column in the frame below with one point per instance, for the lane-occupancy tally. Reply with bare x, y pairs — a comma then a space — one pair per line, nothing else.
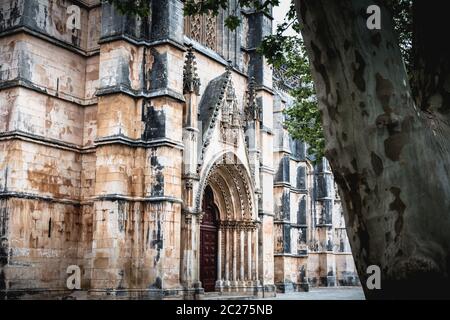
242, 260
234, 255
197, 244
227, 255
186, 273
219, 257
249, 254
256, 256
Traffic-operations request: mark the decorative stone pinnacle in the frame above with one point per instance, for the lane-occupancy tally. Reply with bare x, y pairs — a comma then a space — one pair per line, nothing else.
229, 67
252, 110
191, 81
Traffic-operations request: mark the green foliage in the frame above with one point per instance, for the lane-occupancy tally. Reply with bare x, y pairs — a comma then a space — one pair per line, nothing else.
403, 23
303, 119
287, 52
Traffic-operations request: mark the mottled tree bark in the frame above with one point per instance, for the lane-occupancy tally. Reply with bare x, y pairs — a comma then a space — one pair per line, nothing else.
389, 149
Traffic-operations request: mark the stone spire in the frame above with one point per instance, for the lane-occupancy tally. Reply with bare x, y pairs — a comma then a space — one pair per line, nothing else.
191, 81
252, 110
229, 67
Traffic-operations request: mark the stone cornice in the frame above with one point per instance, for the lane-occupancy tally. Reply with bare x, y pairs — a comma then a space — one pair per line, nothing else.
24, 83
120, 139
139, 94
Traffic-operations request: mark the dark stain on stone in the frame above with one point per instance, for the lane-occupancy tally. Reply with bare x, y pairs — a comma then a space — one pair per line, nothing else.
157, 242
157, 284
2, 285
121, 215
285, 206
159, 78
358, 68
158, 181
301, 214
4, 222
50, 227
5, 186
3, 251
377, 163
124, 72
283, 172
399, 206
155, 122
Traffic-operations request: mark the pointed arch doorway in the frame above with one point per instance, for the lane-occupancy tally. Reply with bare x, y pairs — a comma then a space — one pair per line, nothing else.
209, 242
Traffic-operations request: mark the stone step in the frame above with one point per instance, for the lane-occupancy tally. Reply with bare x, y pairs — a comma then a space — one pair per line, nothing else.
221, 296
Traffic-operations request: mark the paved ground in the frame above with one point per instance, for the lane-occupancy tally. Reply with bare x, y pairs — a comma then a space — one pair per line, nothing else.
353, 293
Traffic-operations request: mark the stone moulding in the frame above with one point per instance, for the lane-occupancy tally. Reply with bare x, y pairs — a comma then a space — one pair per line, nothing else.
140, 93
139, 143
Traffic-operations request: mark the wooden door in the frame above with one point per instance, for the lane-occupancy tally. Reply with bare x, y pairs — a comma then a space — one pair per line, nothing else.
208, 243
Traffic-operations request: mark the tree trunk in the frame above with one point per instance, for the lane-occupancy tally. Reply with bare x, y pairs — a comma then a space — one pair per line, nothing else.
390, 159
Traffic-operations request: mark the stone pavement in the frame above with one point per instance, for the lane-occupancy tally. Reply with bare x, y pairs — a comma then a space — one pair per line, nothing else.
343, 293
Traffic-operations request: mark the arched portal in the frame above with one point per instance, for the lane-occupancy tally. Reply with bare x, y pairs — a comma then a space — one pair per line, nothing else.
208, 242
228, 239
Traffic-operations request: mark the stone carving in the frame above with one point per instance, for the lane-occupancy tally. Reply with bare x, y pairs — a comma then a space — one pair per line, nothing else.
191, 81
231, 115
238, 188
252, 111
203, 29
217, 181
210, 31
248, 214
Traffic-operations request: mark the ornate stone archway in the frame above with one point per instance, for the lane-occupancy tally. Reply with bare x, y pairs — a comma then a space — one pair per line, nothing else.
237, 247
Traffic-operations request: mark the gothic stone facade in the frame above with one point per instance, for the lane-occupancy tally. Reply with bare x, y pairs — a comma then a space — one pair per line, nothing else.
151, 154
